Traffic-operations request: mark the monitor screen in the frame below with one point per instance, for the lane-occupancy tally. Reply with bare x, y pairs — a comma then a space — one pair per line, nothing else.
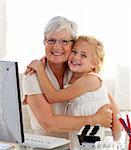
11, 125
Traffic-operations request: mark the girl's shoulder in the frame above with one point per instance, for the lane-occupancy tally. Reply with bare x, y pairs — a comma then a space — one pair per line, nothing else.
93, 80
92, 76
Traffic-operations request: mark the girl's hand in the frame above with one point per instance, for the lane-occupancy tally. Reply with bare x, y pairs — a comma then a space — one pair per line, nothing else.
36, 65
30, 70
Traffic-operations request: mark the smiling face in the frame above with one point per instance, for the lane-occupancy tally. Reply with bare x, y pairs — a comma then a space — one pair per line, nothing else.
58, 52
81, 58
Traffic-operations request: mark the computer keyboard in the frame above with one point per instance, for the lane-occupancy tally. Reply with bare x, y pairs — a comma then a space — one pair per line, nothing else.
41, 141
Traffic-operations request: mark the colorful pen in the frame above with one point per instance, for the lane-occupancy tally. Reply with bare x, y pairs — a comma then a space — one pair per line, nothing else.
128, 122
124, 125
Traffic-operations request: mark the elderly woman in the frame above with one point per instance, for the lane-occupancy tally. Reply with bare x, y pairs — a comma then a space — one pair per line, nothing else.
49, 118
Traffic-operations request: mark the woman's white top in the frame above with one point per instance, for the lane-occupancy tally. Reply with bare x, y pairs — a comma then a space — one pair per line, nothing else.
88, 104
31, 87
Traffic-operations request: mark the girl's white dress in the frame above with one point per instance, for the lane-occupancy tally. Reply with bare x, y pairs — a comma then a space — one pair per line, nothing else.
88, 104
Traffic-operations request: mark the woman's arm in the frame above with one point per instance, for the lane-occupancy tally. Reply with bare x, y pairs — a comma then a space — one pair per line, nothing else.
61, 123
116, 126
80, 86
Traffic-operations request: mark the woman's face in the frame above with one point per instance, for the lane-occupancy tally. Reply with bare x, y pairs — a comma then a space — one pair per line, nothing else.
58, 46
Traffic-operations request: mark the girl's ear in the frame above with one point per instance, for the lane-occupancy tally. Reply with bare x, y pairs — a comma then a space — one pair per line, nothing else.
94, 64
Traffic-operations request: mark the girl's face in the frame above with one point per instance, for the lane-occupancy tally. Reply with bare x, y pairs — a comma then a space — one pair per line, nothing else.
58, 46
81, 58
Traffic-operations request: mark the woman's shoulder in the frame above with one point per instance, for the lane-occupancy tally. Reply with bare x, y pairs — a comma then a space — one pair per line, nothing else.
31, 85
30, 80
30, 77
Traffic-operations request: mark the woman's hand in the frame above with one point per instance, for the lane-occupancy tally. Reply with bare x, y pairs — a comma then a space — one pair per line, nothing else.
103, 116
32, 67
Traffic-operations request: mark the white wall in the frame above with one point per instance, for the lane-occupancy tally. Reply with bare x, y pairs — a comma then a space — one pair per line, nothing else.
2, 28
108, 20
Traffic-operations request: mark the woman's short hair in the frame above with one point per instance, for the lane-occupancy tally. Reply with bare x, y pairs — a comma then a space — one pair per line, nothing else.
59, 23
97, 48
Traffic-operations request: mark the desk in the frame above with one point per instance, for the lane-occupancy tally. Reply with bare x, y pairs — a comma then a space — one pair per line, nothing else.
14, 146
20, 147
124, 139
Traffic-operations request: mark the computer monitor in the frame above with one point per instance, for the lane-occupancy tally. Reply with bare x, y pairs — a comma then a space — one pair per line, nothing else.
11, 124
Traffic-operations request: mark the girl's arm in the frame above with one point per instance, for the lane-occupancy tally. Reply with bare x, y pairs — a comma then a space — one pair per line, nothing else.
61, 123
80, 86
116, 126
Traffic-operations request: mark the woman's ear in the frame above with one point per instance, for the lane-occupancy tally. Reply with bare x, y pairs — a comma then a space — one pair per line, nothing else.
44, 41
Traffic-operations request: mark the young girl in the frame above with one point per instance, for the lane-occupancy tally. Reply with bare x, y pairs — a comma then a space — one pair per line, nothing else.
84, 62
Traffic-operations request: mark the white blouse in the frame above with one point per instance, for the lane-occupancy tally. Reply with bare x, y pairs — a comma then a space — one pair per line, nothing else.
31, 86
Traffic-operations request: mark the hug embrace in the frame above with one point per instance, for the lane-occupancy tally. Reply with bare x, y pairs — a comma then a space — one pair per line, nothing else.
64, 90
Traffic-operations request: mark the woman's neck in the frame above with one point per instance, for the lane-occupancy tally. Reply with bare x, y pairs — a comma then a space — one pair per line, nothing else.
58, 70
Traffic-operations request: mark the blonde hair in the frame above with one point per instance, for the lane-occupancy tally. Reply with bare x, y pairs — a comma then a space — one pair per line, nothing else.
98, 49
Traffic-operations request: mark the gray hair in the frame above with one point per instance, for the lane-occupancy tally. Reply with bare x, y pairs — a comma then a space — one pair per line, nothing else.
60, 23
